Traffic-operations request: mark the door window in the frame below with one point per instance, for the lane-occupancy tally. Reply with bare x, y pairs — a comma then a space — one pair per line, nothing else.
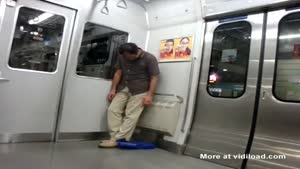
287, 73
37, 40
229, 60
98, 51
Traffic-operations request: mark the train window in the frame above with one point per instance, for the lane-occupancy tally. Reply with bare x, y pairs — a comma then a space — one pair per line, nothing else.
287, 73
98, 51
37, 40
229, 60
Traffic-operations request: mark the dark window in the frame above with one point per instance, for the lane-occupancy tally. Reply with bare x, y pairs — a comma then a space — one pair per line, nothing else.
229, 60
37, 40
287, 73
98, 51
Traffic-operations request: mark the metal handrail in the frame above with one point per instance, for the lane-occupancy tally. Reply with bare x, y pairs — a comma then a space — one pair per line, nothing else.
124, 4
105, 9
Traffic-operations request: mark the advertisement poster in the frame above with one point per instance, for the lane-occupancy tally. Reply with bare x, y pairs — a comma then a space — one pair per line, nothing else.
229, 55
177, 49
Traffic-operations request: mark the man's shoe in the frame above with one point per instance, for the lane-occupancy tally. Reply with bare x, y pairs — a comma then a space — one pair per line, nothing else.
108, 144
101, 141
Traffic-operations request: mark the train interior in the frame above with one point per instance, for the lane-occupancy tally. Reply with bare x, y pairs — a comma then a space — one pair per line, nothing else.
231, 103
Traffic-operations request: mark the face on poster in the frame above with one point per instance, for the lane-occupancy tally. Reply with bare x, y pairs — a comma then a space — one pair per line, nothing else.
177, 49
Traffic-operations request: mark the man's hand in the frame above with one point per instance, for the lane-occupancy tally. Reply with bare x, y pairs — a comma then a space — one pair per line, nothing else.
111, 95
148, 100
115, 82
153, 83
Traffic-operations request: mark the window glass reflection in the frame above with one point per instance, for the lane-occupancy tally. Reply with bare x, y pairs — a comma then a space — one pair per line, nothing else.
98, 51
287, 78
37, 40
229, 60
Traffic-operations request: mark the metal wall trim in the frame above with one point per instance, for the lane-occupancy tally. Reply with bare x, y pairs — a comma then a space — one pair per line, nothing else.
80, 136
25, 137
170, 146
193, 108
182, 129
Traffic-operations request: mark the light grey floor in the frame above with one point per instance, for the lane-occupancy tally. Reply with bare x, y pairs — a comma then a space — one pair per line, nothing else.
85, 155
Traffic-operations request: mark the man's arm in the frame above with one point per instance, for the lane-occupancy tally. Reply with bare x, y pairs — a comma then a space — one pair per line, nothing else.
153, 85
116, 79
115, 83
153, 70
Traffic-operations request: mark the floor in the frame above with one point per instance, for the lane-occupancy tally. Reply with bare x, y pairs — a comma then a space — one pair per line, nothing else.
86, 155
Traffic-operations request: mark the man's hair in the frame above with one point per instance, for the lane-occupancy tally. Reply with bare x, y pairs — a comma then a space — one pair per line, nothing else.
131, 48
170, 40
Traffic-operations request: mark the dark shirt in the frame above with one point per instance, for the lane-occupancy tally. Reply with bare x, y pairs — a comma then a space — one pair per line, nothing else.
136, 75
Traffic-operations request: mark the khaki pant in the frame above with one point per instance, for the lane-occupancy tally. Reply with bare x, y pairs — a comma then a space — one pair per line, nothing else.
123, 114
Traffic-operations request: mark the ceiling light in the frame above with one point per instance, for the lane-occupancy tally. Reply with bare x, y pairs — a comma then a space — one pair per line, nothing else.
40, 18
289, 36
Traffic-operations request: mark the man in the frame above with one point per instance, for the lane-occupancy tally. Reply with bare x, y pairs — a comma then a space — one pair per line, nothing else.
133, 87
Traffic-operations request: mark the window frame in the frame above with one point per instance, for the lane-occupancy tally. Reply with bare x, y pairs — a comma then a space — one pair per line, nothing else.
12, 40
81, 38
247, 66
276, 61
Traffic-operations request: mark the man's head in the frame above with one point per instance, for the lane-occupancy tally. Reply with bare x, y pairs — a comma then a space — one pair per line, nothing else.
169, 45
129, 51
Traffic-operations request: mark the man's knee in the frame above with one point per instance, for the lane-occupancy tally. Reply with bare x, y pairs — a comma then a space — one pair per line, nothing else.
114, 111
133, 117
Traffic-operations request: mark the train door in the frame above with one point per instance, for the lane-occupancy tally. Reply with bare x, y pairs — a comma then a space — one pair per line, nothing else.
34, 43
227, 89
278, 122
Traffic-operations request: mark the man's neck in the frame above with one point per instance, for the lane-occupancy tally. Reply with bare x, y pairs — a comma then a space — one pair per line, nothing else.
140, 52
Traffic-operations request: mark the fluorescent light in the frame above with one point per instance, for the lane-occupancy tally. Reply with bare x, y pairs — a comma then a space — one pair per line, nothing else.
40, 18
289, 36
